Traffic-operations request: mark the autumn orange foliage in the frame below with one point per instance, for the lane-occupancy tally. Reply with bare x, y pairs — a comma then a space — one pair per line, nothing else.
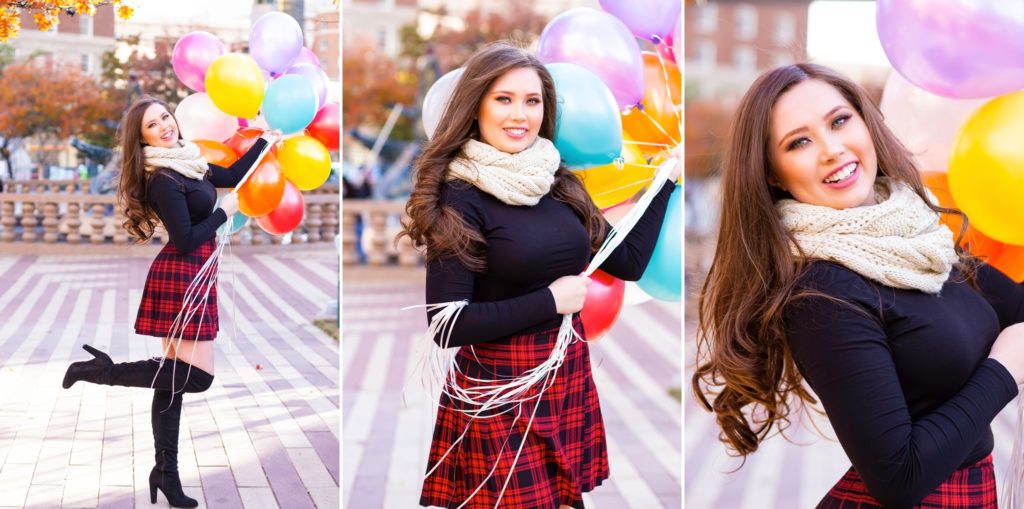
46, 13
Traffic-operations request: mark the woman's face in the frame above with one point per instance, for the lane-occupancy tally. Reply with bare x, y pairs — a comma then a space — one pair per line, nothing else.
511, 112
158, 127
820, 149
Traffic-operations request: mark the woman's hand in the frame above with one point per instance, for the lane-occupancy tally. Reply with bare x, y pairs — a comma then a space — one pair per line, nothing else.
569, 293
678, 170
1009, 350
272, 136
229, 203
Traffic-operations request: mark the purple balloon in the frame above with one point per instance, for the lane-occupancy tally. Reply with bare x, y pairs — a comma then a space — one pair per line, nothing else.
316, 77
275, 41
652, 20
964, 49
600, 43
192, 55
306, 56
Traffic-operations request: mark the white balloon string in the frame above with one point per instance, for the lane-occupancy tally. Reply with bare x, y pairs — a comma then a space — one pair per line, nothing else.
1013, 495
668, 88
646, 143
662, 129
491, 398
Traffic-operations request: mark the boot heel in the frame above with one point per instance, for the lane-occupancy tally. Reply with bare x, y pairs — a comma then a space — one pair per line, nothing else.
97, 354
152, 493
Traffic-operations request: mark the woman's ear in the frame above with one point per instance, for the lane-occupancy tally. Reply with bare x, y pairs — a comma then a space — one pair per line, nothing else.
775, 182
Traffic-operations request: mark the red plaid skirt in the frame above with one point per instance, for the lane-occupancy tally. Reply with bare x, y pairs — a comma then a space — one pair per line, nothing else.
565, 453
972, 487
164, 295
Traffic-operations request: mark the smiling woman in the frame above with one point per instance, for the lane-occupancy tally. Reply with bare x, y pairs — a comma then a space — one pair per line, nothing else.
508, 231
911, 345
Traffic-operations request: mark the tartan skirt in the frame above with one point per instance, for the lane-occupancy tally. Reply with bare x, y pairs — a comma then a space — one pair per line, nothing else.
163, 297
972, 487
563, 455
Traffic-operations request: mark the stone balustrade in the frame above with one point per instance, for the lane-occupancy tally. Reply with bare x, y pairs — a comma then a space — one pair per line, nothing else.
51, 213
368, 234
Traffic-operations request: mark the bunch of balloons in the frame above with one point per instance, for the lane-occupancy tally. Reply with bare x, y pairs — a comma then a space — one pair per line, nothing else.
619, 116
278, 85
954, 100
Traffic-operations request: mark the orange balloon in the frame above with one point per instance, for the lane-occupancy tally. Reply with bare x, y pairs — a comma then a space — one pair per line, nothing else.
264, 189
1006, 258
216, 152
660, 95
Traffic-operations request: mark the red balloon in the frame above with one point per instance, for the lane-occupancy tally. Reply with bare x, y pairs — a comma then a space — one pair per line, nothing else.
326, 126
603, 304
243, 139
288, 213
263, 191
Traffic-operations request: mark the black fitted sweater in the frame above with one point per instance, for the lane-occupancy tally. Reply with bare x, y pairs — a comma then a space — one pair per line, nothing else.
527, 249
903, 375
185, 205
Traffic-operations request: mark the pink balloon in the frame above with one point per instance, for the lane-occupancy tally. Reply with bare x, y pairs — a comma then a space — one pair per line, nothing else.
316, 77
192, 55
198, 118
306, 56
964, 49
926, 123
600, 43
437, 99
677, 40
652, 20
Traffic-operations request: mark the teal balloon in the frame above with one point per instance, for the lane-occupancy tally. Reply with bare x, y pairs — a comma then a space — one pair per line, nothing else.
589, 130
236, 222
289, 103
663, 278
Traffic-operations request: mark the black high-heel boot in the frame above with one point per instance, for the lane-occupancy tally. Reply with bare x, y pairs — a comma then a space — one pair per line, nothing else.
174, 374
166, 421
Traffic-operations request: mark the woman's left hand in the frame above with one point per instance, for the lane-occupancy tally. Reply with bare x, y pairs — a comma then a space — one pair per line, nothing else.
677, 153
273, 136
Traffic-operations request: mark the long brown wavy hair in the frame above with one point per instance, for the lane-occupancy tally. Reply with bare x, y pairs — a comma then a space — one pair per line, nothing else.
439, 228
746, 374
139, 218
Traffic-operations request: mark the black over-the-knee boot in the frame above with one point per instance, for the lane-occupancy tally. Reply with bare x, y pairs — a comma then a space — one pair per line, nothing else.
177, 376
166, 420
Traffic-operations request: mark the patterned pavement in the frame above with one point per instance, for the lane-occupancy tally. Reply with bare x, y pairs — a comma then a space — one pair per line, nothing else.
266, 435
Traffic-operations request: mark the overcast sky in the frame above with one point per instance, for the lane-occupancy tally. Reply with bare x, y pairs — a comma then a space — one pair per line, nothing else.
844, 31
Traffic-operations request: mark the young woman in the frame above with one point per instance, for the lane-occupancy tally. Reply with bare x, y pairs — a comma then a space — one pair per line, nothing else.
509, 230
164, 178
832, 268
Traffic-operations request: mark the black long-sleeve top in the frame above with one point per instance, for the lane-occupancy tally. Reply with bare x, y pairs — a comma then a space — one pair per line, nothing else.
903, 375
185, 205
527, 249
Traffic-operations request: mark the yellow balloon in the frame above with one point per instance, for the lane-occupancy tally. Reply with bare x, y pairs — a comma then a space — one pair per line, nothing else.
986, 170
235, 85
609, 185
305, 162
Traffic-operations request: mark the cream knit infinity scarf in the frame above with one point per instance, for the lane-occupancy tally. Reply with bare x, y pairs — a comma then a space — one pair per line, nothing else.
183, 158
515, 179
898, 242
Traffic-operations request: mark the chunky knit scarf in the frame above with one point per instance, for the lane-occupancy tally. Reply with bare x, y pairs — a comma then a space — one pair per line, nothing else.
515, 179
183, 158
897, 242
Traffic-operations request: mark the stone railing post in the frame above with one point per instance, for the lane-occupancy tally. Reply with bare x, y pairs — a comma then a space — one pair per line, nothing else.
7, 221
74, 222
29, 222
50, 222
97, 223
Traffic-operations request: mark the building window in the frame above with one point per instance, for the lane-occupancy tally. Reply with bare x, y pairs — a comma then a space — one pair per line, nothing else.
323, 44
707, 18
85, 25
382, 40
746, 22
785, 29
744, 58
86, 63
780, 59
706, 54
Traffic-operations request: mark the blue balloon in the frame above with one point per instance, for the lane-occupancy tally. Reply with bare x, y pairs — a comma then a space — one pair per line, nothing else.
236, 222
589, 130
289, 103
663, 278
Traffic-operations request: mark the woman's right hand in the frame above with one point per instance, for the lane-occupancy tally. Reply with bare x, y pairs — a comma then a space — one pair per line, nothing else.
230, 204
569, 293
1009, 350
